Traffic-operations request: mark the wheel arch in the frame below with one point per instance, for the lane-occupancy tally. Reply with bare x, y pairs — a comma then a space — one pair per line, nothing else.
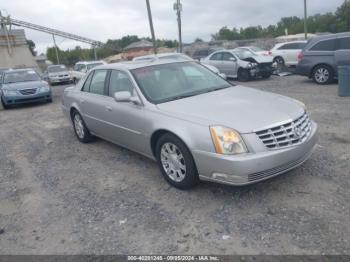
158, 134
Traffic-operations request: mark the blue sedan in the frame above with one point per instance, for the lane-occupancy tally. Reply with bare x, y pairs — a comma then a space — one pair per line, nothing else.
20, 86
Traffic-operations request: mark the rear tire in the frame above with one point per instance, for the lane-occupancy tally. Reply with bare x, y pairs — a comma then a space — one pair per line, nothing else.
323, 74
176, 162
279, 60
80, 129
243, 75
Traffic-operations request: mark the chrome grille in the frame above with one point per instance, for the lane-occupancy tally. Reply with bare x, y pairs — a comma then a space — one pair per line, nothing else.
28, 91
288, 134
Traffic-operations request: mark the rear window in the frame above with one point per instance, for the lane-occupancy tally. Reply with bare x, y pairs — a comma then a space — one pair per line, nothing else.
292, 46
344, 43
325, 45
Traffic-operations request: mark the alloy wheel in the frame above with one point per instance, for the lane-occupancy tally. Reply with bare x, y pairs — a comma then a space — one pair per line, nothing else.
79, 126
173, 162
322, 75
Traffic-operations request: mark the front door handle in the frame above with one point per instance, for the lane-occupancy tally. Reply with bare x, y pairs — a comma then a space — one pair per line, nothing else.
108, 108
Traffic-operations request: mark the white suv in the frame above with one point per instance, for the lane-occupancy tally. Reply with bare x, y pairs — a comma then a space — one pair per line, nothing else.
287, 53
81, 68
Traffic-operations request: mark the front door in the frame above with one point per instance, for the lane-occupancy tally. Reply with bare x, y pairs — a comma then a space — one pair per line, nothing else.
126, 120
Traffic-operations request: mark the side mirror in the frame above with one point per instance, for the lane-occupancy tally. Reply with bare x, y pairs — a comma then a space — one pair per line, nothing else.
125, 96
222, 75
232, 59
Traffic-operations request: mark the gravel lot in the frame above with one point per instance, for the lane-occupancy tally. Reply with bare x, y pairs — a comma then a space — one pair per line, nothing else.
58, 196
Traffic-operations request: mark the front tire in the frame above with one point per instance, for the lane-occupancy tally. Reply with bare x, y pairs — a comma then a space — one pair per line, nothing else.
176, 162
4, 105
243, 75
80, 129
323, 75
266, 75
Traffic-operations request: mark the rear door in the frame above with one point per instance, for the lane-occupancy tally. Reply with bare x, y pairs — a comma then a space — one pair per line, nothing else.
93, 101
291, 52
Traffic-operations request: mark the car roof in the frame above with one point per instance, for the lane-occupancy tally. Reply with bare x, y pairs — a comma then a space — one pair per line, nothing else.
54, 65
329, 36
140, 64
88, 62
291, 42
18, 70
163, 56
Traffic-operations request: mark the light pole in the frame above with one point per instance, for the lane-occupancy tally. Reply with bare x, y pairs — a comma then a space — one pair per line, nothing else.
178, 9
151, 26
305, 19
56, 48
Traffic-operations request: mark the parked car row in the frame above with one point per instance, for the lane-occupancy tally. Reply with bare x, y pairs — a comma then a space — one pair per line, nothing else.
176, 56
317, 58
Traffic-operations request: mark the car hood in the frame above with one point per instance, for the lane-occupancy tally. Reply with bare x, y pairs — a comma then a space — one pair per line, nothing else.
59, 73
242, 108
24, 85
259, 59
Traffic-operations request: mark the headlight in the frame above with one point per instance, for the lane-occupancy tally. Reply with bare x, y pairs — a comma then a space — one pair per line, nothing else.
9, 92
227, 141
44, 89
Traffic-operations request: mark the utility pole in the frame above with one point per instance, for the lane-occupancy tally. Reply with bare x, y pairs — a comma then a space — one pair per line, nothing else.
56, 48
305, 19
95, 52
151, 26
178, 9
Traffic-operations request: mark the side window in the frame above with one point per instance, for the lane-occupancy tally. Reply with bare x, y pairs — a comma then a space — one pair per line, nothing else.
344, 43
97, 85
216, 57
86, 86
118, 82
290, 46
227, 57
326, 45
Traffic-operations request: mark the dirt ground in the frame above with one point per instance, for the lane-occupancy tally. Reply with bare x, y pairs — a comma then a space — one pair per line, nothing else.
58, 196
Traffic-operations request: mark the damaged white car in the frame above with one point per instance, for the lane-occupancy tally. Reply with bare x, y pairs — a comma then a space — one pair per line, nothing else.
241, 64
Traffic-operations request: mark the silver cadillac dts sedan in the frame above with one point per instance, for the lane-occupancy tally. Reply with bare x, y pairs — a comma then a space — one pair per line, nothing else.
195, 124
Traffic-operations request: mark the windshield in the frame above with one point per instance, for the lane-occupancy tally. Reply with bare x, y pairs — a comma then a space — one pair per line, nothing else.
56, 69
243, 54
20, 76
163, 83
80, 67
90, 66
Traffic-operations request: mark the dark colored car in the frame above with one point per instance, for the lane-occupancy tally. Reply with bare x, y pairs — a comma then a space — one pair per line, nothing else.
21, 86
203, 53
322, 55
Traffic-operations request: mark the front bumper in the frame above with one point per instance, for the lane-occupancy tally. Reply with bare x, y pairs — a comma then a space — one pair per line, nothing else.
60, 80
303, 70
253, 167
23, 99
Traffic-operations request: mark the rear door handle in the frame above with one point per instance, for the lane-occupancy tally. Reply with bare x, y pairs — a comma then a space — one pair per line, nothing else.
108, 108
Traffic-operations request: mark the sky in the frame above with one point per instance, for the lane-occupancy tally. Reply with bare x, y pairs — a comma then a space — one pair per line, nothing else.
112, 19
